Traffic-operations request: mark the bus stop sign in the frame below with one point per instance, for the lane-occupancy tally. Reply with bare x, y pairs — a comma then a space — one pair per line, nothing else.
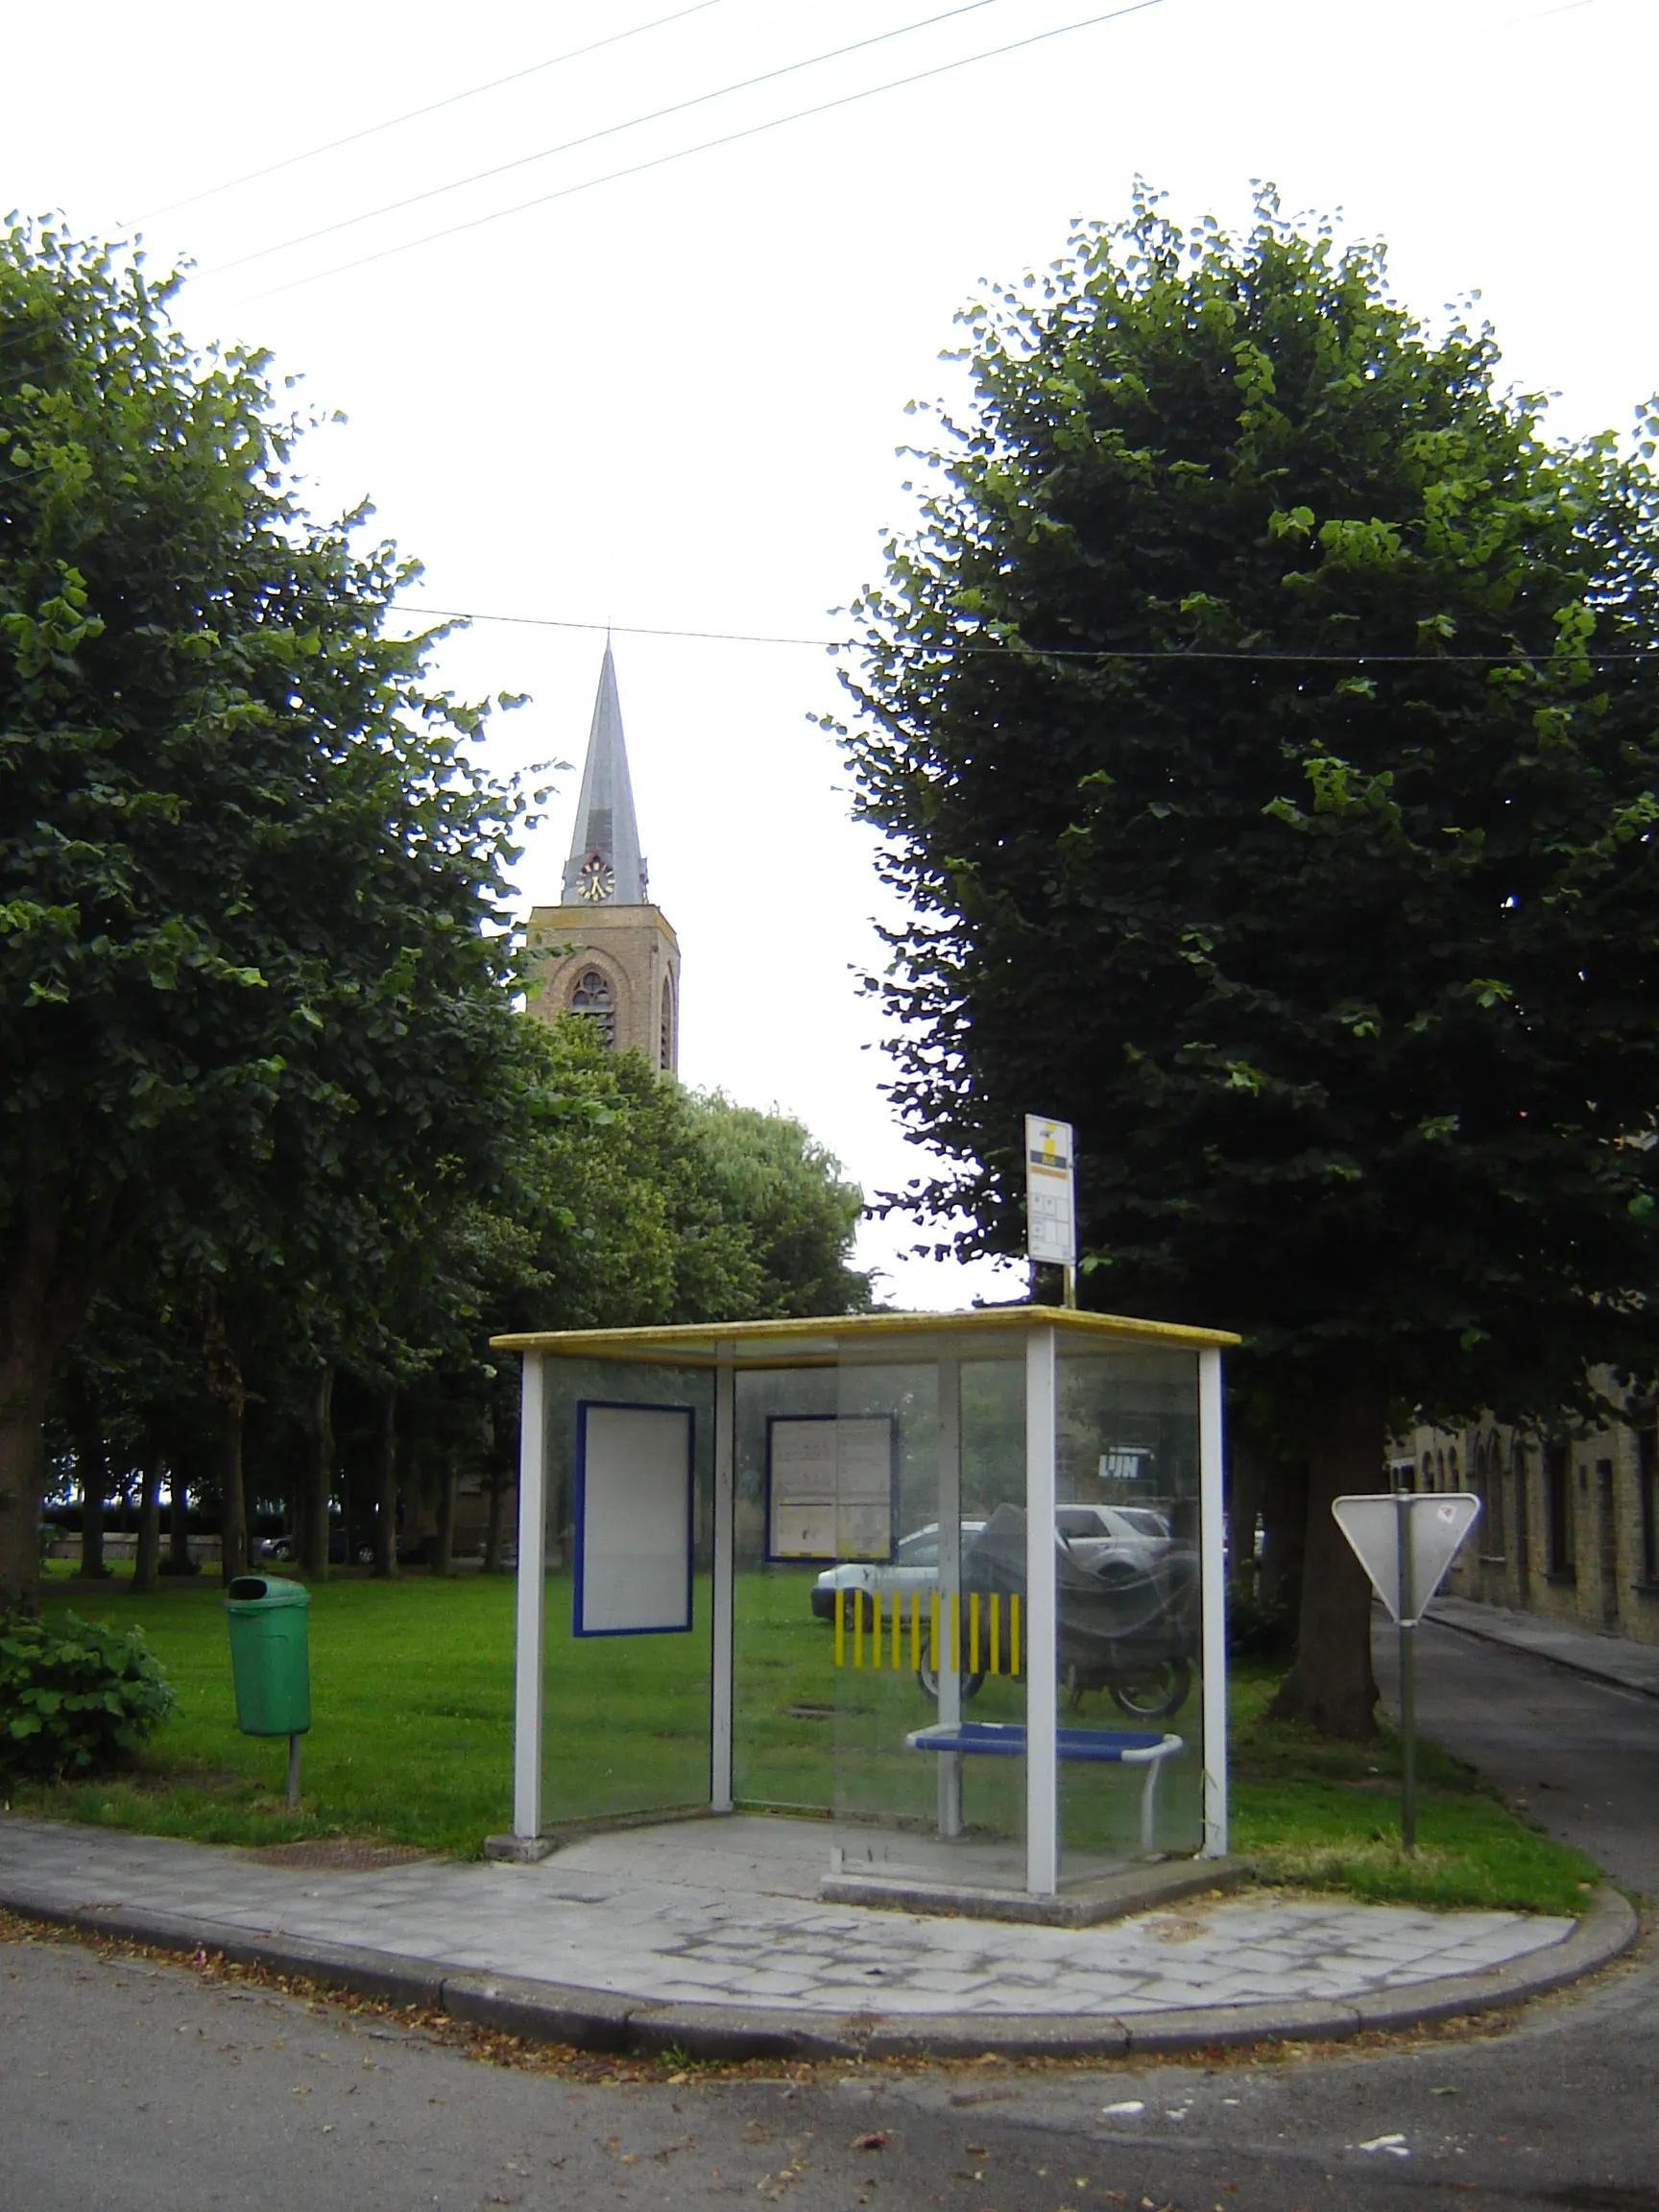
1406, 1540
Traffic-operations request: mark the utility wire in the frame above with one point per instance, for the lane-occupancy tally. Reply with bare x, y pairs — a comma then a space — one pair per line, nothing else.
709, 145
414, 115
591, 137
953, 649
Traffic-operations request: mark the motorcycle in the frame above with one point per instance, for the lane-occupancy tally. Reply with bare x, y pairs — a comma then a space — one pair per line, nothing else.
1127, 1621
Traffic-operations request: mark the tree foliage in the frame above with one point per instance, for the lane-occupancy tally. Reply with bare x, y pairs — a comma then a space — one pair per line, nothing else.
251, 951
1262, 725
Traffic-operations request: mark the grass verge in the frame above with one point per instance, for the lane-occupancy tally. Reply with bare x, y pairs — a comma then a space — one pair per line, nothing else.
412, 1688
1324, 1814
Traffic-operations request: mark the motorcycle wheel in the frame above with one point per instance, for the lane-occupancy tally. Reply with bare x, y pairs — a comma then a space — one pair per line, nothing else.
1154, 1692
929, 1682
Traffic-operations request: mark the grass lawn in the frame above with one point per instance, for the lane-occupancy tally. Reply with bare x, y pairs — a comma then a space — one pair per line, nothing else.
412, 1687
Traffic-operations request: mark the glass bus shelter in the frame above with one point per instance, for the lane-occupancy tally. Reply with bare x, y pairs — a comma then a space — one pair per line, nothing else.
951, 1583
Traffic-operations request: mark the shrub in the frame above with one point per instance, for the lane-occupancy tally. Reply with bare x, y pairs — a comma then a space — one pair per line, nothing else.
75, 1700
1259, 1628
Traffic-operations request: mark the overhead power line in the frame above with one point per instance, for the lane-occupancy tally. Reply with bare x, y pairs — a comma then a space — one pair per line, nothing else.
433, 108
950, 650
709, 145
591, 137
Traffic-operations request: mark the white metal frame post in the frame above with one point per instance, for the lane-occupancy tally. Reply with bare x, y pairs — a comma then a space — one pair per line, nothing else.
532, 1599
725, 1510
1213, 1570
1042, 1684
949, 1680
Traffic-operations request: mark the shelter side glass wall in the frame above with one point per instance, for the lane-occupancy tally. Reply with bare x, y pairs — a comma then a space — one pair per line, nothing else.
927, 1635
782, 1685
1128, 1596
626, 1718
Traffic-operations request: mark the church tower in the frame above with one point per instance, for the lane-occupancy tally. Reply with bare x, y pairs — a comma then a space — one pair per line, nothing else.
605, 951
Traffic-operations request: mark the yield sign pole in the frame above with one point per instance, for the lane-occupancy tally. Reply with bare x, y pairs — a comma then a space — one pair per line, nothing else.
1407, 1620
1406, 1540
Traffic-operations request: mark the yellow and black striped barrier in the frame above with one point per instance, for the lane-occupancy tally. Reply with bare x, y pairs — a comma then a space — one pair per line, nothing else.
981, 1635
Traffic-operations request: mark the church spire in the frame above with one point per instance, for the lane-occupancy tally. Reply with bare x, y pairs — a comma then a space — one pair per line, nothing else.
604, 866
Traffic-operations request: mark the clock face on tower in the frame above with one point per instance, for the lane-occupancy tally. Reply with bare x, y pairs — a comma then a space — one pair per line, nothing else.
598, 879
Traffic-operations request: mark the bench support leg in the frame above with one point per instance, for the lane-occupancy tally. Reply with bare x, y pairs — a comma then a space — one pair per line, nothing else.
1150, 1809
949, 1793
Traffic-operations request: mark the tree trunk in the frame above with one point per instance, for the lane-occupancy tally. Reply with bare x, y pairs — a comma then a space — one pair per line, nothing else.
443, 1545
1246, 1486
313, 1529
24, 1381
92, 1474
179, 1559
1283, 1532
495, 1528
386, 1488
233, 1503
51, 1272
147, 1560
1331, 1687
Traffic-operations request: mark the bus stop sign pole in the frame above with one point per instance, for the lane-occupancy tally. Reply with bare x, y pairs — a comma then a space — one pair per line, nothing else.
1406, 1540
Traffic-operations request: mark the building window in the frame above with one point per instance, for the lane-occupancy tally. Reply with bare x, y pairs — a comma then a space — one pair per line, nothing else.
666, 1060
1558, 1505
592, 999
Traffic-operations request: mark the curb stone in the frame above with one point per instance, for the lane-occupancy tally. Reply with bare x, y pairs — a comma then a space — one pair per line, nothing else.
599, 2020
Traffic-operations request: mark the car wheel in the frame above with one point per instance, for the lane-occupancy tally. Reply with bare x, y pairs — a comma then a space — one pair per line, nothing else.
1154, 1690
282, 1551
365, 1554
929, 1682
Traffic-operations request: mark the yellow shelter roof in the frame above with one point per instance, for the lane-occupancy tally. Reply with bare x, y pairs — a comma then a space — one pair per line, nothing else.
820, 1338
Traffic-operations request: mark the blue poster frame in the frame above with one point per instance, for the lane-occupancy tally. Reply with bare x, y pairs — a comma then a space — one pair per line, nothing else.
633, 1405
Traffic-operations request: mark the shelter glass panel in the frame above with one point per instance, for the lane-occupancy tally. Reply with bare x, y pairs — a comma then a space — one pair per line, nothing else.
930, 1636
1128, 1611
785, 1532
627, 1687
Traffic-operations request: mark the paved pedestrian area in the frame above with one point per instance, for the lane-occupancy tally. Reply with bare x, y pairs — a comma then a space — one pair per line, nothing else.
726, 1912
1618, 1660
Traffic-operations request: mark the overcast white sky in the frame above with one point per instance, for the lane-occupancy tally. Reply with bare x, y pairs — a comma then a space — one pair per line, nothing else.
672, 401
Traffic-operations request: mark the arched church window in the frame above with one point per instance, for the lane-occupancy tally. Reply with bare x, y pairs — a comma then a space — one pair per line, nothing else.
593, 999
666, 1057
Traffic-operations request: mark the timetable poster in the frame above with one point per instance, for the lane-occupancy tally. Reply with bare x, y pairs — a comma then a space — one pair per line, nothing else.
830, 1486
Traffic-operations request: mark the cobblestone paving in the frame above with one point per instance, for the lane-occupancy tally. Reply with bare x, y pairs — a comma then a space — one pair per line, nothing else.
727, 1913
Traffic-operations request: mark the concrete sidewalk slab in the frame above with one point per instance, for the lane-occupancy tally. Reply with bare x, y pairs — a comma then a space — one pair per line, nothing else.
711, 1938
1610, 1659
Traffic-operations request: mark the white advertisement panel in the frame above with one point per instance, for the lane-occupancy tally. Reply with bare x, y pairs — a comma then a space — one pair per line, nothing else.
633, 1505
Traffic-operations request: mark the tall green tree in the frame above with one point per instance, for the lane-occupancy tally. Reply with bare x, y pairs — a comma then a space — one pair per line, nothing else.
249, 872
1263, 723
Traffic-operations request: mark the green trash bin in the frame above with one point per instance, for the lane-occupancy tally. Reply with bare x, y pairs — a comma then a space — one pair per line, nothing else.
270, 1663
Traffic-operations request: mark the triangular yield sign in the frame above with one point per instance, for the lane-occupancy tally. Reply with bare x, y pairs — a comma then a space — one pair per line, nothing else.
1434, 1524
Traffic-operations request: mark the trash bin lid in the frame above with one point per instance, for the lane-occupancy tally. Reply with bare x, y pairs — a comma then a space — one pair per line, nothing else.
259, 1593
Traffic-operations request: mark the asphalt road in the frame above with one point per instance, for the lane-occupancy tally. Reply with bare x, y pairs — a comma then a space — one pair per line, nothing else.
132, 2087
1578, 1757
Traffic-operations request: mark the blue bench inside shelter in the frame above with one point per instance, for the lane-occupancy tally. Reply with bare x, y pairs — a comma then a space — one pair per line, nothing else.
1101, 1746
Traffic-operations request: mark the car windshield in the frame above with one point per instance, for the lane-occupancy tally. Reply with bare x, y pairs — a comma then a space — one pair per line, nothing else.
1078, 1521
